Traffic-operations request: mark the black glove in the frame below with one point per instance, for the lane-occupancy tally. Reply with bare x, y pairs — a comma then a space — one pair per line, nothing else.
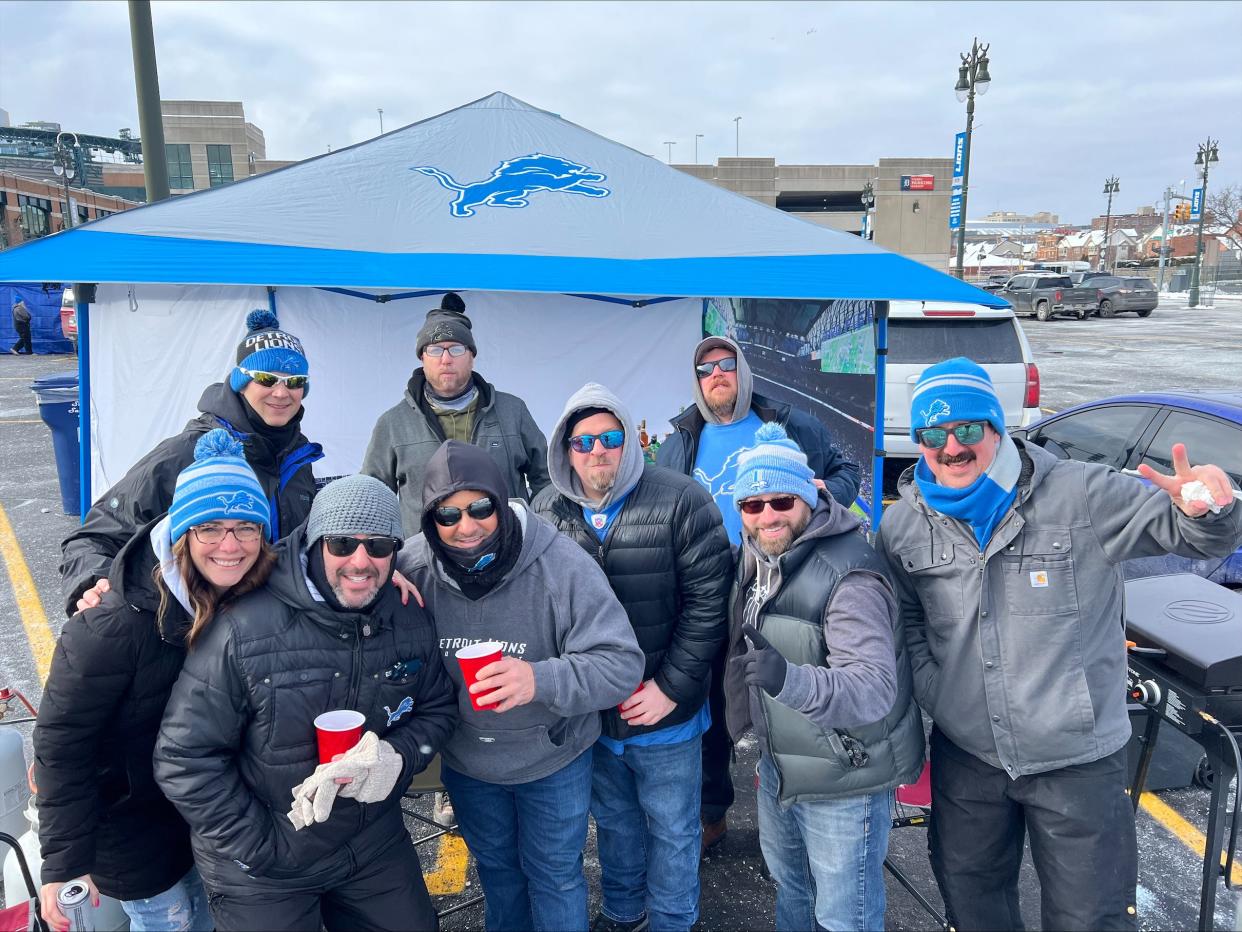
763, 666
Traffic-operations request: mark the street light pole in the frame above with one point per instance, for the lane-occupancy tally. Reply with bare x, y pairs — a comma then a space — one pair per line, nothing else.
868, 198
1207, 155
380, 111
1111, 187
972, 77
697, 137
670, 150
65, 167
1164, 237
737, 137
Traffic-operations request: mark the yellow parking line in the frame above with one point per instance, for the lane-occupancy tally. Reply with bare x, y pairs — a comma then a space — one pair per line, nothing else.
1049, 410
29, 605
20, 422
1186, 833
452, 859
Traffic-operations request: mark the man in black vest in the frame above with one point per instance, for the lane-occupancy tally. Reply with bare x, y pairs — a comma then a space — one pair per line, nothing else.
817, 669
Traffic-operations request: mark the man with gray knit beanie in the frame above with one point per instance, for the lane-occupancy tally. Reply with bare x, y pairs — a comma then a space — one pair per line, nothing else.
817, 667
445, 399
285, 837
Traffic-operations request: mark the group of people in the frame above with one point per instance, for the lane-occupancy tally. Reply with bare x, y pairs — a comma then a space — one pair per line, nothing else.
647, 615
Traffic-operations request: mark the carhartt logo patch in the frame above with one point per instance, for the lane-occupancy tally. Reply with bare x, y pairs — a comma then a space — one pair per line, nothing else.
1039, 579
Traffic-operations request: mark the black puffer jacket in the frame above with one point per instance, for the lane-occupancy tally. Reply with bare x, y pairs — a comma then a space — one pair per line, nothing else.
238, 734
147, 489
668, 561
100, 812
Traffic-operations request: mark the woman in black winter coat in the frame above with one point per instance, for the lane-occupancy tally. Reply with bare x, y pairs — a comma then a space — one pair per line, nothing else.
101, 815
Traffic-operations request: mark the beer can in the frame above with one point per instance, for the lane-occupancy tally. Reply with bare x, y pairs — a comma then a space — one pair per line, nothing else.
74, 900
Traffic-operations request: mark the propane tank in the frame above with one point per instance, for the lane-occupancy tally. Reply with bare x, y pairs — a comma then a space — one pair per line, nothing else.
14, 790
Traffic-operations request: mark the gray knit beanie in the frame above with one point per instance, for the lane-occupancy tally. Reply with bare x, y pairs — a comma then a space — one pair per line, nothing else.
354, 505
447, 323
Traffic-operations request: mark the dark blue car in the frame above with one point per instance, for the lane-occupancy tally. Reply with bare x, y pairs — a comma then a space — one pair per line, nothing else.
1126, 430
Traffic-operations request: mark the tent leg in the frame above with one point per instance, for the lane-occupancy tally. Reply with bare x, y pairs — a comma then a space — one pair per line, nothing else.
271, 299
84, 406
877, 460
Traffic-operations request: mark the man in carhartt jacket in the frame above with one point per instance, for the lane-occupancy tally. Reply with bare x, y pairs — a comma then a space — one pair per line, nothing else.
237, 751
260, 404
659, 539
447, 400
818, 669
1007, 565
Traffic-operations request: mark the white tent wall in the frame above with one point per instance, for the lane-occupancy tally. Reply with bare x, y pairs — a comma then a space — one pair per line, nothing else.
155, 347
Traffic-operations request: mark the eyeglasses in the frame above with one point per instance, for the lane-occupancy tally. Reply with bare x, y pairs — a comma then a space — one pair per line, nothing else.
375, 546
585, 443
728, 364
268, 379
967, 434
755, 506
245, 533
453, 349
480, 509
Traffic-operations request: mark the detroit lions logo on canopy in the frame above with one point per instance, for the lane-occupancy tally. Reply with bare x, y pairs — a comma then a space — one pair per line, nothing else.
514, 180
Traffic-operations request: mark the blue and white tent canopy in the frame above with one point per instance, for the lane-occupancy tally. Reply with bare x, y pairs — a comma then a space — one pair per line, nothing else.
496, 195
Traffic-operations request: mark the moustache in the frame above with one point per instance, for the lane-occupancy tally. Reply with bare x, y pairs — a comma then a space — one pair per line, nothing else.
945, 460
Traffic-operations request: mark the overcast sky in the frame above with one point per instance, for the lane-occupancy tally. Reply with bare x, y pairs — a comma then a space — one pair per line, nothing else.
1080, 91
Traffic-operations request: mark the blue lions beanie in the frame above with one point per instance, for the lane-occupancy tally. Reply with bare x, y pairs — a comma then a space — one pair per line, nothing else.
219, 485
957, 389
267, 348
774, 464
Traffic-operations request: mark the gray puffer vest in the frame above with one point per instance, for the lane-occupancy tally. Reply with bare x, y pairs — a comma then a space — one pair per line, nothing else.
814, 763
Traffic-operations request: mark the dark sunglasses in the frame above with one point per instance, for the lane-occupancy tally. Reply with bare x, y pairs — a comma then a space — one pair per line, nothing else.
755, 506
480, 509
268, 379
375, 546
967, 434
728, 364
585, 443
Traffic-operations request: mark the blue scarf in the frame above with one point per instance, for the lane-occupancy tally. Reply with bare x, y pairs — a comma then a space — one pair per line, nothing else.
985, 501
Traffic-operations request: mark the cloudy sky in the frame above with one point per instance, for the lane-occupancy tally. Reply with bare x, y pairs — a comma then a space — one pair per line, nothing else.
1080, 91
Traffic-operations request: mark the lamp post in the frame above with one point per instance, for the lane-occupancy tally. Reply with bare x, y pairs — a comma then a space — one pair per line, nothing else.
380, 111
65, 168
737, 137
1111, 187
697, 137
868, 200
1207, 155
972, 78
670, 150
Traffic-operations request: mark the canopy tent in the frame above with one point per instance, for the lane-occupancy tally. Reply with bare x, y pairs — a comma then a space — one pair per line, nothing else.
528, 215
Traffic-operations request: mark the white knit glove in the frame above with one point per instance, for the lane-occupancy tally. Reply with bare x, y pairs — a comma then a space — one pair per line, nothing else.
372, 766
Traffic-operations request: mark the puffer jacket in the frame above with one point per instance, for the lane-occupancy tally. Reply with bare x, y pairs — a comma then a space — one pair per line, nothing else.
1018, 652
408, 434
100, 812
238, 733
146, 490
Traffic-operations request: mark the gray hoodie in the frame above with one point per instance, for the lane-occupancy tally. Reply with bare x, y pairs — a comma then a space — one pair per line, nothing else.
745, 381
555, 610
561, 471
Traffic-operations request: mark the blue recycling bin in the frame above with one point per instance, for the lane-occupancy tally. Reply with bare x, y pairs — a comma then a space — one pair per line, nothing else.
57, 396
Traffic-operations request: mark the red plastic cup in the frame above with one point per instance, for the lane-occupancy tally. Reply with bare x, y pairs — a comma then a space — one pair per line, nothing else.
338, 731
472, 659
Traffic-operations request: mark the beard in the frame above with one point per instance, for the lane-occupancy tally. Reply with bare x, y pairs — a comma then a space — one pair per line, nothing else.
721, 400
353, 599
774, 547
601, 480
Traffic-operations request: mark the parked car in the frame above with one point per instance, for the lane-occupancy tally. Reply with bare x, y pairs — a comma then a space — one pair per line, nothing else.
69, 318
1079, 278
922, 333
1044, 295
1126, 430
1132, 293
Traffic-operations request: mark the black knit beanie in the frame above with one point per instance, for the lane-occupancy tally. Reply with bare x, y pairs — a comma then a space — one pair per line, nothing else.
447, 323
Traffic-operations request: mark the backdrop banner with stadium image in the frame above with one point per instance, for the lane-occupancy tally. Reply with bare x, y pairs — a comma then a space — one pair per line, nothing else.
818, 356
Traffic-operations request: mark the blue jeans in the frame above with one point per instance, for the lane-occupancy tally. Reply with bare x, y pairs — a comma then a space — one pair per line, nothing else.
646, 807
827, 857
527, 842
181, 908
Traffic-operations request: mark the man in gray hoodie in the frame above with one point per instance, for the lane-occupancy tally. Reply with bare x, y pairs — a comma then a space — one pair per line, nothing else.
519, 767
817, 666
659, 539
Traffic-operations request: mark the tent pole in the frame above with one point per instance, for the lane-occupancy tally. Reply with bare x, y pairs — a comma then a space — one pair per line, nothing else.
877, 461
84, 403
271, 299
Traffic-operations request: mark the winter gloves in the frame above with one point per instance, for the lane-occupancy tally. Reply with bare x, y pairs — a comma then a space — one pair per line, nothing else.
372, 767
762, 665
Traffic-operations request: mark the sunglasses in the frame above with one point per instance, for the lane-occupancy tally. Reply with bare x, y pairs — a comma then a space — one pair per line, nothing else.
480, 509
453, 349
585, 443
375, 546
755, 506
268, 379
967, 434
215, 533
728, 364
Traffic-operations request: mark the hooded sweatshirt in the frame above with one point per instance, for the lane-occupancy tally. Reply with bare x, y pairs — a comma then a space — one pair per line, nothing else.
554, 609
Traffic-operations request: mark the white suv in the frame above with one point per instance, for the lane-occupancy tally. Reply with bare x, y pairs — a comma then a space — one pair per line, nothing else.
922, 333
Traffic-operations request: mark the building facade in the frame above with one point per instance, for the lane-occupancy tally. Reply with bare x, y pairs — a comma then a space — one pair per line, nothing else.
208, 143
32, 207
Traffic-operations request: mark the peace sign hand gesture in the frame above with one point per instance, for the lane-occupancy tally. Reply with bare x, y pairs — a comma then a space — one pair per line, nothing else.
1213, 477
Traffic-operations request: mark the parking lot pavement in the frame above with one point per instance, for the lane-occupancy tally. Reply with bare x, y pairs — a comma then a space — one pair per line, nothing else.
1078, 360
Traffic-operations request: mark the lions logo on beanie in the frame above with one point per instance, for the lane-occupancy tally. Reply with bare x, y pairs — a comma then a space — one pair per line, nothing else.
267, 348
957, 389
